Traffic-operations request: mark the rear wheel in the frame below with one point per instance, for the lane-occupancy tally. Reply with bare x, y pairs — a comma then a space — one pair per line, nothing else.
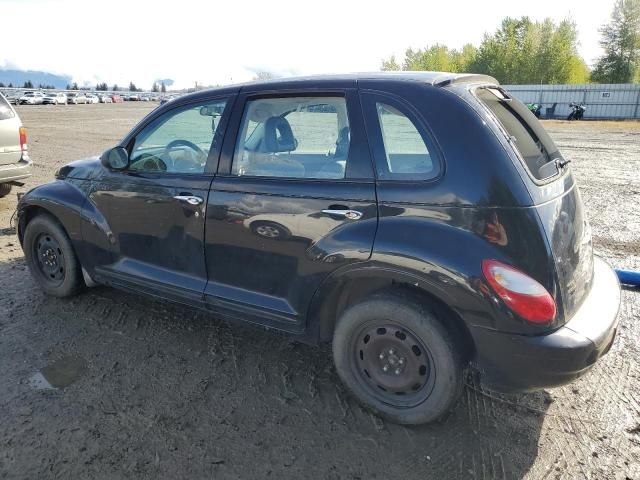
5, 189
50, 257
398, 359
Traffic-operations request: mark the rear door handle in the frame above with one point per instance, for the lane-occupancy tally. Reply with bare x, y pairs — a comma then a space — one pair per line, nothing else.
190, 199
349, 214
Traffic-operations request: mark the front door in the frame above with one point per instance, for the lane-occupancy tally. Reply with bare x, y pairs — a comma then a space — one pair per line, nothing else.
294, 200
155, 208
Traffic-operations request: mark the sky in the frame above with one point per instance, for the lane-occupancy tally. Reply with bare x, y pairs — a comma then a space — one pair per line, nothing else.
216, 43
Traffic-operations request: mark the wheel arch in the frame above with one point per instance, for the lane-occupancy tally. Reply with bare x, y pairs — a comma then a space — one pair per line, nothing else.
346, 288
58, 199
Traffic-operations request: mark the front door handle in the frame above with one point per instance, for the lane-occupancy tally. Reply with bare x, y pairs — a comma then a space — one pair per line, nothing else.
349, 214
190, 199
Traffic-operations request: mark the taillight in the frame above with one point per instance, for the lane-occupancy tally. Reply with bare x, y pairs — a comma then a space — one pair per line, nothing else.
23, 139
520, 292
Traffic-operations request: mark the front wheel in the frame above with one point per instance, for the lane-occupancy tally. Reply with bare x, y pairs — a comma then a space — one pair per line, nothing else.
398, 360
50, 257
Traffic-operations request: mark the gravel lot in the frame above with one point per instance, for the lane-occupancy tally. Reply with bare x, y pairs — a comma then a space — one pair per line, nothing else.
167, 392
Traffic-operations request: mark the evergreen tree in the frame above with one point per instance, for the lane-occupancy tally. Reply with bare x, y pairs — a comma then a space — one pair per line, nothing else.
163, 88
621, 44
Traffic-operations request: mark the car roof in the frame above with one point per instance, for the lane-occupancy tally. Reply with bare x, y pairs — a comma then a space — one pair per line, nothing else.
439, 79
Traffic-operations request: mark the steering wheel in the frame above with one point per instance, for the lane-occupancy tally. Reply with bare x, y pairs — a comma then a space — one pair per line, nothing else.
149, 163
186, 143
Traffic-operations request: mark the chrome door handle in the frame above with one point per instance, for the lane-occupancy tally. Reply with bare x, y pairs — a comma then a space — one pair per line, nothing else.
190, 199
349, 214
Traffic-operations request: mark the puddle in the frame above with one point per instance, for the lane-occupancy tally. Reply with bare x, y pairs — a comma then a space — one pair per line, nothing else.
59, 374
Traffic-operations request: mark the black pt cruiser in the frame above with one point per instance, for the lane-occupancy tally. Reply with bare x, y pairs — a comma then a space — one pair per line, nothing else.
425, 223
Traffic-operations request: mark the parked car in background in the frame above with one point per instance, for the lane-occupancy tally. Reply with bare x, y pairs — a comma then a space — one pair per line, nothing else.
133, 97
104, 98
115, 98
340, 209
13, 97
92, 98
165, 99
76, 98
55, 98
15, 164
31, 98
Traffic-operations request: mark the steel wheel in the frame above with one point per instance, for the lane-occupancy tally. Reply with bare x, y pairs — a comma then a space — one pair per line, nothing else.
393, 364
50, 259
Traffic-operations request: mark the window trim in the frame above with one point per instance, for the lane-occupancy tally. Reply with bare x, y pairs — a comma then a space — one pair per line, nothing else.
326, 93
213, 158
369, 98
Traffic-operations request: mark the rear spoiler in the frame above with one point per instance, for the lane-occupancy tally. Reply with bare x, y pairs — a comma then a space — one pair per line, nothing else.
464, 78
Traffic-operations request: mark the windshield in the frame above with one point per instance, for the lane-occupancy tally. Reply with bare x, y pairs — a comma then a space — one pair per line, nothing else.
525, 131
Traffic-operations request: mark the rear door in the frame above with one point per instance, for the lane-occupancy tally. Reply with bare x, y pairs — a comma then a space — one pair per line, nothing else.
294, 200
554, 193
10, 150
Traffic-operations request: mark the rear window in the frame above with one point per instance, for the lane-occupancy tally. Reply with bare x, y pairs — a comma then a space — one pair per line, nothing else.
525, 132
5, 109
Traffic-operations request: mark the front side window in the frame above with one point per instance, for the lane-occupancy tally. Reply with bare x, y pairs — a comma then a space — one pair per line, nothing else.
293, 137
179, 141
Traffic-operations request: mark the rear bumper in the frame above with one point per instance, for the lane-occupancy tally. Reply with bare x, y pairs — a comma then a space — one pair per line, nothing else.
15, 171
509, 362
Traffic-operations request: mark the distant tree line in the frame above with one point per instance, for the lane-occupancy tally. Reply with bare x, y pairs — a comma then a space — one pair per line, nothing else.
99, 87
523, 51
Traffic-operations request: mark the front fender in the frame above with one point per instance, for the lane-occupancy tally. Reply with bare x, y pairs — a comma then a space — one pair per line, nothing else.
67, 201
62, 199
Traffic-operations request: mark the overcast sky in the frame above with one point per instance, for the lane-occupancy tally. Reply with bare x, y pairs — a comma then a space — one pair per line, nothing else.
222, 42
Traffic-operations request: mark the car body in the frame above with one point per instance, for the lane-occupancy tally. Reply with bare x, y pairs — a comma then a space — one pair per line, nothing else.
115, 98
423, 222
13, 97
55, 98
15, 164
133, 97
92, 98
104, 98
76, 97
31, 98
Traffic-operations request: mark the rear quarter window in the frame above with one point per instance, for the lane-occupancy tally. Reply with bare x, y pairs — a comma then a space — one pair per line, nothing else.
402, 147
5, 109
525, 132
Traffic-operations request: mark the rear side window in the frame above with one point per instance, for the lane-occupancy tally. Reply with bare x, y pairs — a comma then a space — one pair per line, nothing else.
5, 109
525, 132
294, 137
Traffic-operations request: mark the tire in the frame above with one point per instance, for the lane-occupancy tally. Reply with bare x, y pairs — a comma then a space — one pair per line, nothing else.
5, 189
376, 339
59, 273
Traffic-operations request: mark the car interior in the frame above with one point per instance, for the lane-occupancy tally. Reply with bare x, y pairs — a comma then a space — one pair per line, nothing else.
294, 137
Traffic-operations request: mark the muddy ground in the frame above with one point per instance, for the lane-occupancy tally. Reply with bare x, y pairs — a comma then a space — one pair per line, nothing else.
156, 391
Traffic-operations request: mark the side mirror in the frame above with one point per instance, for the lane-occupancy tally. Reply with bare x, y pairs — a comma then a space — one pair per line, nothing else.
116, 159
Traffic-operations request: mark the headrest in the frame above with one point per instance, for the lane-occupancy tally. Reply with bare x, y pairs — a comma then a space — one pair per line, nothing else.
278, 136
